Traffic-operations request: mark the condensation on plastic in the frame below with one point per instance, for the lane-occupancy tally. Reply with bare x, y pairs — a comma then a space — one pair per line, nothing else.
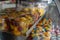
54, 15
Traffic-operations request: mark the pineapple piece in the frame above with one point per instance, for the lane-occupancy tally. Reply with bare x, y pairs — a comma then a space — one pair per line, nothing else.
41, 10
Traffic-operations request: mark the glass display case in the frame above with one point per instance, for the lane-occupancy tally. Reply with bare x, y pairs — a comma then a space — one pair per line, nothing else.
30, 20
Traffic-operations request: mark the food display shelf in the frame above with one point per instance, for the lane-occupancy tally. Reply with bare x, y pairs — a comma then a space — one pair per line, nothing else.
29, 30
47, 13
33, 26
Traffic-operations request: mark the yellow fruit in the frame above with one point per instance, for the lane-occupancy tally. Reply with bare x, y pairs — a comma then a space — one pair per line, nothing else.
17, 33
24, 30
34, 10
41, 10
33, 35
47, 34
26, 9
37, 31
46, 38
23, 19
40, 28
47, 28
37, 34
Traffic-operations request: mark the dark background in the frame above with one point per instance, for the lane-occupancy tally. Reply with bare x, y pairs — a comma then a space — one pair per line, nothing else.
2, 0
